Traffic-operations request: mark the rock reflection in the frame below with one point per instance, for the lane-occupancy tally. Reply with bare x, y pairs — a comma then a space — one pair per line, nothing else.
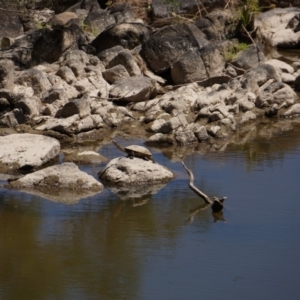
138, 194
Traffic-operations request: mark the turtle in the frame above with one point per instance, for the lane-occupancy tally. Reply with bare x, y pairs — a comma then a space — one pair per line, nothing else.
135, 151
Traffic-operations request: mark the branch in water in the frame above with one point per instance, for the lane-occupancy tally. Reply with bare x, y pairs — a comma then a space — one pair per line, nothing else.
216, 204
198, 192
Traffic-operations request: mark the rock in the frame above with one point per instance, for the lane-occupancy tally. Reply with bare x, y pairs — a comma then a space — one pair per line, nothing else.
256, 77
64, 126
276, 26
250, 58
6, 74
166, 45
13, 118
189, 68
288, 78
133, 89
185, 137
61, 183
66, 74
10, 23
244, 104
201, 134
162, 9
19, 151
127, 35
115, 73
216, 25
54, 43
63, 18
126, 59
107, 55
123, 12
276, 93
80, 106
134, 171
85, 157
247, 117
54, 95
98, 20
292, 111
281, 65
161, 139
297, 84
35, 79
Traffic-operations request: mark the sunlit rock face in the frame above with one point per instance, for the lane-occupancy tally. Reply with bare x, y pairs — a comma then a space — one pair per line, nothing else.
18, 151
60, 183
134, 171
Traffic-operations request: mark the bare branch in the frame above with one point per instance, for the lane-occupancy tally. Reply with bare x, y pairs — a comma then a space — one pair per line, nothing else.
216, 204
197, 191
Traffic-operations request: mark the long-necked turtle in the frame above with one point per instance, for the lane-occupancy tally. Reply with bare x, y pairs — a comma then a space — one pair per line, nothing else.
135, 151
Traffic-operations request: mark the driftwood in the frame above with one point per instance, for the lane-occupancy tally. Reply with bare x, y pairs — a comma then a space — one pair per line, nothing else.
216, 203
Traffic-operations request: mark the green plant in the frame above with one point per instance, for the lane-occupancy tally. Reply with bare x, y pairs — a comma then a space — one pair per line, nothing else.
173, 4
247, 10
233, 50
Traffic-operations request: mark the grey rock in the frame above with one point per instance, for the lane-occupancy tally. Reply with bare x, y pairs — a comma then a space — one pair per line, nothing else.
167, 44
133, 89
18, 151
201, 134
126, 59
6, 74
134, 171
250, 58
115, 73
185, 137
61, 183
35, 79
80, 106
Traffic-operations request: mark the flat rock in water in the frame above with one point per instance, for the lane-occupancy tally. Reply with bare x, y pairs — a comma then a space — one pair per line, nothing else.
61, 183
134, 171
26, 150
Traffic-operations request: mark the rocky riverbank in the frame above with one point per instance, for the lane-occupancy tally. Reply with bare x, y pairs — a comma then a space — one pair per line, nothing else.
91, 74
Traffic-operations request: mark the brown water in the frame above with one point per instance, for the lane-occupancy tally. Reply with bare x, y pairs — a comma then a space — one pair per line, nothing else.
167, 248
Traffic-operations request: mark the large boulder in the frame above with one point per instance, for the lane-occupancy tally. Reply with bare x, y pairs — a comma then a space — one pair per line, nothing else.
163, 9
279, 27
250, 58
26, 151
55, 42
61, 183
216, 25
10, 24
134, 171
127, 35
198, 65
256, 77
133, 89
169, 43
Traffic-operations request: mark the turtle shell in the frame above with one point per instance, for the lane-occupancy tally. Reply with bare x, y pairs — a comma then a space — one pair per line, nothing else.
138, 151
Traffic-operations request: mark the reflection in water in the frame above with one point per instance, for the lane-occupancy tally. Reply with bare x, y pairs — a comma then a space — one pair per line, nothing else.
106, 248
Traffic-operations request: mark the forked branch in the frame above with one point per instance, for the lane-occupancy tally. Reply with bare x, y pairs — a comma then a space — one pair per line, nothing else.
216, 204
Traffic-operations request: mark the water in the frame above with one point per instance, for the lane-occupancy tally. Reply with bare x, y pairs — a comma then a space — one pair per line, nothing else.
167, 248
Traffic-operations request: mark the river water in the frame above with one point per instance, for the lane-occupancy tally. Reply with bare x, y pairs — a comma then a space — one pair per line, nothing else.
166, 246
